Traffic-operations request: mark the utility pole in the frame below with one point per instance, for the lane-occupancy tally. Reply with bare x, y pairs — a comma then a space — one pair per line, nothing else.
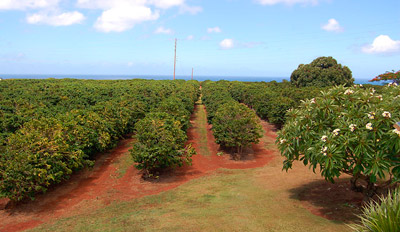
175, 59
192, 74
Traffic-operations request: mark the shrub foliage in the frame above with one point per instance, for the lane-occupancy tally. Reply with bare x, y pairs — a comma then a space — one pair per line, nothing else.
236, 126
323, 71
383, 215
160, 143
51, 128
347, 130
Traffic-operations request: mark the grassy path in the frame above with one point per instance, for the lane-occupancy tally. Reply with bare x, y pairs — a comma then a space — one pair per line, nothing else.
257, 199
199, 122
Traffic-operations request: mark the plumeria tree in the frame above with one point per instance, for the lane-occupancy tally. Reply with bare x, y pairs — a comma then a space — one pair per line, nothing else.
393, 76
347, 130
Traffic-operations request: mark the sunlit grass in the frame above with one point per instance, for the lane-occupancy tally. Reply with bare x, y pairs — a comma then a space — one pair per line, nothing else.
229, 200
200, 122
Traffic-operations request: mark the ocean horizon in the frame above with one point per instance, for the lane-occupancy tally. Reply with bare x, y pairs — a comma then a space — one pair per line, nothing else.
155, 77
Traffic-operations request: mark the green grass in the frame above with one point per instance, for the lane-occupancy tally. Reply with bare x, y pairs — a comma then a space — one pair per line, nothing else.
201, 128
229, 200
123, 164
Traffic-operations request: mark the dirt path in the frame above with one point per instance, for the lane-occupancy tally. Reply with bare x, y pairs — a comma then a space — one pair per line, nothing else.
92, 189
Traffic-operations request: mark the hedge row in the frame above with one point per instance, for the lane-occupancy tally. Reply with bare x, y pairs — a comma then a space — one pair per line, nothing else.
54, 138
161, 135
271, 100
234, 125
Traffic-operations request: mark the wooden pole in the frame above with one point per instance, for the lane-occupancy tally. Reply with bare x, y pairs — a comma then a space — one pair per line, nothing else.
175, 59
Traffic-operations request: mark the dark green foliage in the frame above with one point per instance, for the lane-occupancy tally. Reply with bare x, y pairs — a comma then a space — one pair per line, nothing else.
176, 108
38, 155
271, 100
50, 128
347, 131
321, 72
236, 126
160, 143
160, 136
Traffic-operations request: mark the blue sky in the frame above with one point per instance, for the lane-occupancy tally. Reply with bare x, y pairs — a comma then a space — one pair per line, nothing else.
222, 37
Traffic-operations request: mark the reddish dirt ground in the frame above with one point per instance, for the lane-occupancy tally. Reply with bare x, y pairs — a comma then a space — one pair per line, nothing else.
97, 187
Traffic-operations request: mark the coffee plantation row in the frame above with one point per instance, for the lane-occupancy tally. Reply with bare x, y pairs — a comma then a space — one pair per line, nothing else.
51, 128
234, 125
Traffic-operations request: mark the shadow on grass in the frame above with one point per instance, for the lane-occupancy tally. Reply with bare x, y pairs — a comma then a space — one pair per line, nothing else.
332, 201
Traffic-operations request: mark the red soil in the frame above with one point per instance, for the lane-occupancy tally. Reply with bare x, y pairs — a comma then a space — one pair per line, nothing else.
91, 189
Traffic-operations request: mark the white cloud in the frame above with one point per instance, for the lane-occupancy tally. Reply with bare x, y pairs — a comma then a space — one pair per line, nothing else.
190, 9
332, 25
162, 30
130, 64
226, 44
287, 2
108, 4
122, 18
64, 19
122, 15
190, 37
26, 4
214, 30
165, 4
383, 44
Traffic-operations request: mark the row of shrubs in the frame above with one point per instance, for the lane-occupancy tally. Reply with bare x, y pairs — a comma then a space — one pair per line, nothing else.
24, 100
161, 135
46, 148
271, 100
234, 125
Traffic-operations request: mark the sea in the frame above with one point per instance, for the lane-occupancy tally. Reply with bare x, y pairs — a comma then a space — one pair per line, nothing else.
155, 77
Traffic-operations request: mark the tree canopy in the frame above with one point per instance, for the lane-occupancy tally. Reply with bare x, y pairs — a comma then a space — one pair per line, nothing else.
321, 72
388, 76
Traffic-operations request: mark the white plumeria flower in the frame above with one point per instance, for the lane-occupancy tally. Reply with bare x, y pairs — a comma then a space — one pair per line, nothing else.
336, 132
397, 132
324, 149
313, 101
324, 138
371, 115
282, 141
373, 90
352, 127
380, 97
386, 114
348, 92
369, 126
361, 85
324, 154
